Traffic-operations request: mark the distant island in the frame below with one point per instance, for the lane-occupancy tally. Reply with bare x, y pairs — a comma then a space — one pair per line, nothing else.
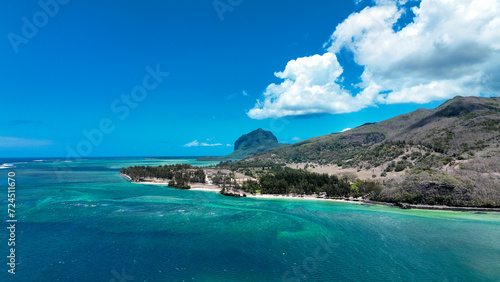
448, 156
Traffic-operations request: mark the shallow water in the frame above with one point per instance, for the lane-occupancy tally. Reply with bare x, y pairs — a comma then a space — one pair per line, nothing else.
81, 221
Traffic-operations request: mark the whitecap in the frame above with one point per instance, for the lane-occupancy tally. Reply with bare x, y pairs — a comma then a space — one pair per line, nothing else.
6, 166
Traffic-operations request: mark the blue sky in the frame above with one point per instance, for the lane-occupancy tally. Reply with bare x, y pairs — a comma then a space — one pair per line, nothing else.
315, 67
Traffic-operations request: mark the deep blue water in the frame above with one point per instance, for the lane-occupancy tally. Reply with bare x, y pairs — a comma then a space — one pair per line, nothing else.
81, 221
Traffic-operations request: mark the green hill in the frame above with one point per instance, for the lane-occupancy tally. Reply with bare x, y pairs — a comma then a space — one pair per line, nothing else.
450, 153
458, 127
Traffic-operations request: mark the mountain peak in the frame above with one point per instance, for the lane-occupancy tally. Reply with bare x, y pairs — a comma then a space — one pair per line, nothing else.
256, 137
257, 141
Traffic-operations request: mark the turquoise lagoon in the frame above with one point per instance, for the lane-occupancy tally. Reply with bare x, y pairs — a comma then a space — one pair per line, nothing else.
81, 221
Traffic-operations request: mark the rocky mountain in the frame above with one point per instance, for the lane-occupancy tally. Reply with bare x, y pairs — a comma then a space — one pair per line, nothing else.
254, 142
451, 152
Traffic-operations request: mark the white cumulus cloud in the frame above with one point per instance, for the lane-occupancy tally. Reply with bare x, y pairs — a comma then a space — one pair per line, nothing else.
310, 86
451, 47
195, 143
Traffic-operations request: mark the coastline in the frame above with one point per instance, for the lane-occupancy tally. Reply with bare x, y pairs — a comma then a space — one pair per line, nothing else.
194, 186
126, 176
359, 201
216, 189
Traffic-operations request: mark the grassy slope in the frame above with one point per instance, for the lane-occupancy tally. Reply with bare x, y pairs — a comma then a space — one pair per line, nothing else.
451, 152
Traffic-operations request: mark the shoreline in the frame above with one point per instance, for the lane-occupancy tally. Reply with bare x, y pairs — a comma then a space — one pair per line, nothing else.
369, 202
194, 186
213, 188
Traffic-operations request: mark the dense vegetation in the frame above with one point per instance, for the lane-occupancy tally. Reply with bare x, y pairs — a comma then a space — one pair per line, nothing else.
299, 182
288, 181
180, 175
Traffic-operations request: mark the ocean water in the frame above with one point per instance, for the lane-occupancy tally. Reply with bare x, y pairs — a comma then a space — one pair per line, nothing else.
81, 221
